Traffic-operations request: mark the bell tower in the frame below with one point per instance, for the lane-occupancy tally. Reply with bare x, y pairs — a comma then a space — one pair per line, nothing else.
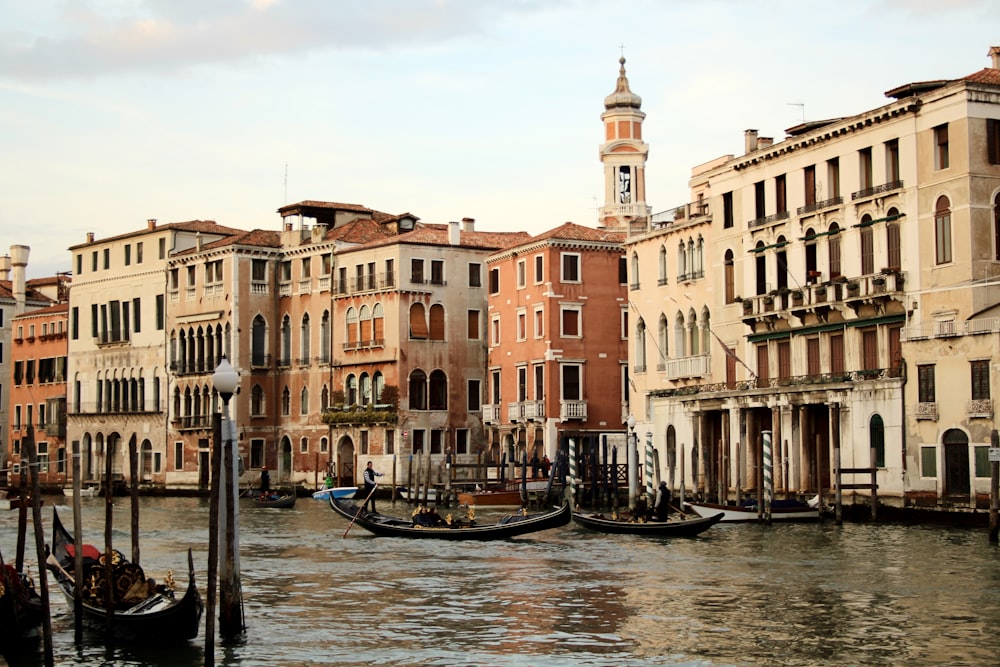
624, 156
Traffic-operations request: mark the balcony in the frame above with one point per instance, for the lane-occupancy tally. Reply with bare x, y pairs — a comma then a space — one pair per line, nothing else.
191, 422
572, 410
524, 411
688, 367
927, 411
491, 414
950, 328
868, 193
819, 206
767, 220
258, 287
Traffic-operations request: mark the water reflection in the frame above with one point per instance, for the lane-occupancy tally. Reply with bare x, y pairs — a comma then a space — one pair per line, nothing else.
737, 595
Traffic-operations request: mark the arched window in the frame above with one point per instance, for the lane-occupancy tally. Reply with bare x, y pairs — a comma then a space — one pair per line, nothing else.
681, 262
694, 346
286, 341
351, 322
706, 332
259, 343
286, 402
351, 390
692, 261
365, 325
760, 266
324, 337
378, 324
699, 257
942, 231
634, 270
729, 277
378, 384
867, 246
257, 401
305, 344
304, 401
418, 321
366, 389
437, 322
679, 347
418, 390
892, 240
663, 266
781, 260
833, 250
876, 439
438, 391
810, 250
640, 346
663, 335
324, 399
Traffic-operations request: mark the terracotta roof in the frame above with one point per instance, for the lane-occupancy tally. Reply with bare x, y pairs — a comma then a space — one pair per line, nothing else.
359, 232
256, 237
204, 226
987, 75
48, 310
437, 234
570, 231
7, 292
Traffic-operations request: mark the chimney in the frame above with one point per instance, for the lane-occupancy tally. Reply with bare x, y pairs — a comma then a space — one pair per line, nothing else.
750, 139
765, 142
198, 241
5, 267
994, 53
318, 232
151, 224
468, 224
454, 233
90, 237
19, 261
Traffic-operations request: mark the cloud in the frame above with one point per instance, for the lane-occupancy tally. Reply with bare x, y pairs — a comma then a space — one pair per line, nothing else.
92, 39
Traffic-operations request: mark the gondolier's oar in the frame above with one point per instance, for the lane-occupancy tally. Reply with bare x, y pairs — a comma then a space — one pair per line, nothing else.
360, 510
678, 509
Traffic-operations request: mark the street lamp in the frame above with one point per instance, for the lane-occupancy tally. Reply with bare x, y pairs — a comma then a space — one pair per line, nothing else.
633, 463
225, 380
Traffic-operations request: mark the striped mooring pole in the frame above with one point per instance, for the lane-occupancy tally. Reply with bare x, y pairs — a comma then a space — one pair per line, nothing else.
572, 462
768, 475
649, 467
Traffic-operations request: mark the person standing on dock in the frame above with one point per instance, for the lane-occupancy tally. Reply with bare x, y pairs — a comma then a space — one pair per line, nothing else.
370, 484
265, 481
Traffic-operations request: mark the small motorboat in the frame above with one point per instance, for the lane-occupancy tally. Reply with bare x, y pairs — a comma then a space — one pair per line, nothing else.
781, 511
339, 492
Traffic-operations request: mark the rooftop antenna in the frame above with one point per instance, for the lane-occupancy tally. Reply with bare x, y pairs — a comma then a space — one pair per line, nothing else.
802, 108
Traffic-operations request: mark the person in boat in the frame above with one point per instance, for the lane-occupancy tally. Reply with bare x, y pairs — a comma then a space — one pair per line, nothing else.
265, 482
369, 478
422, 518
329, 481
661, 505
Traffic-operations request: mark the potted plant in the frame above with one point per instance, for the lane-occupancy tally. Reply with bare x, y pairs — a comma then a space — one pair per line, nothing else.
797, 297
852, 288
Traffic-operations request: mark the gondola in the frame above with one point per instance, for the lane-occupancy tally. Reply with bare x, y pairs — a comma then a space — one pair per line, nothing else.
781, 511
20, 610
285, 500
159, 619
508, 526
673, 528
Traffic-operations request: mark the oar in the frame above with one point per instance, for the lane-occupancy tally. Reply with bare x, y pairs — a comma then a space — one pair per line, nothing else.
360, 510
677, 509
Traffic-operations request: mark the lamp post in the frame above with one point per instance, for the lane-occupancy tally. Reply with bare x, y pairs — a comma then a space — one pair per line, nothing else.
633, 463
225, 380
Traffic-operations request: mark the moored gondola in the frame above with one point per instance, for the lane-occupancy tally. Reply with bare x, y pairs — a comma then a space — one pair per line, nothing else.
509, 525
20, 609
159, 618
275, 501
672, 528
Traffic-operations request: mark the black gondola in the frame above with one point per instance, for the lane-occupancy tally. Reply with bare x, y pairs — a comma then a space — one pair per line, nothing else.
673, 528
287, 500
158, 619
508, 526
20, 610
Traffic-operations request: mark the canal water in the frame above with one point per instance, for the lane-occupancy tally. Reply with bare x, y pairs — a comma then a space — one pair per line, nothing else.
737, 595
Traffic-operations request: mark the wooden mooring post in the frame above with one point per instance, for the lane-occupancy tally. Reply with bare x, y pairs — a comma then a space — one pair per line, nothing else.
839, 486
994, 455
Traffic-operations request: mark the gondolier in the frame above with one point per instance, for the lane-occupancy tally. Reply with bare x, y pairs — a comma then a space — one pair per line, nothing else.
369, 477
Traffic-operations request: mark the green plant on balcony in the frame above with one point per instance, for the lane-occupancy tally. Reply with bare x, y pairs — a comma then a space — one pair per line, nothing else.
358, 414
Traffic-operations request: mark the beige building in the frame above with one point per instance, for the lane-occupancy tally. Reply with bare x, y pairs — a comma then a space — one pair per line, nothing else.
854, 267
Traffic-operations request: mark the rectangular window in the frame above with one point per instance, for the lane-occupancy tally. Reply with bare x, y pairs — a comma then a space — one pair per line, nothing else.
942, 236
93, 260
256, 453
784, 359
760, 204
75, 323
495, 330
865, 168
925, 383
474, 401
539, 266
538, 316
928, 461
178, 456
191, 276
780, 193
538, 391
494, 281
390, 441
522, 270
993, 140
623, 273
462, 441
809, 175
163, 248
570, 268
892, 161
869, 349
812, 356
727, 210
571, 385
837, 353
107, 258
417, 271
258, 270
285, 271
475, 274
161, 312
980, 379
941, 157
570, 320
982, 456
522, 325
306, 268
522, 384
128, 255
763, 363
437, 272
495, 387
138, 252
833, 177
473, 327
79, 264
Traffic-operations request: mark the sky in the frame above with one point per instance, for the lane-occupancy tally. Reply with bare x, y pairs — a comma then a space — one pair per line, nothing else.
113, 112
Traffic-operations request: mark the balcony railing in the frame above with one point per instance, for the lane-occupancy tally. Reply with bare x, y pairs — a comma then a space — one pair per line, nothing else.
774, 217
877, 190
952, 328
491, 414
686, 367
525, 411
820, 205
927, 411
575, 410
981, 409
